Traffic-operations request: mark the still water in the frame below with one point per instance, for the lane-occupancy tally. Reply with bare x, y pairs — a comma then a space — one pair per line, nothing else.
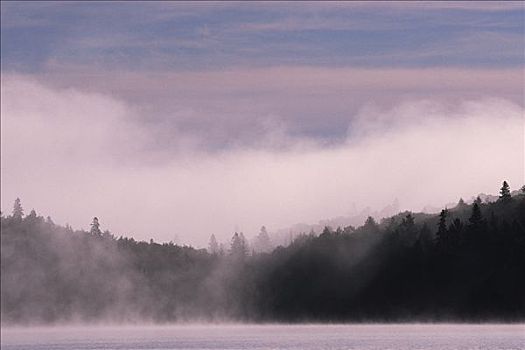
304, 337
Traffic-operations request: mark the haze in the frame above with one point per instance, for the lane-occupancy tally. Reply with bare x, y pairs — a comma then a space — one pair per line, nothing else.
193, 119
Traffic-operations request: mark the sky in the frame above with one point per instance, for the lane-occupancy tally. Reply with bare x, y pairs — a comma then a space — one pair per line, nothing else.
173, 121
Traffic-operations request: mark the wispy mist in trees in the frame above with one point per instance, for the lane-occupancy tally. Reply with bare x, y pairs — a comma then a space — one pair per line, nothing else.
467, 263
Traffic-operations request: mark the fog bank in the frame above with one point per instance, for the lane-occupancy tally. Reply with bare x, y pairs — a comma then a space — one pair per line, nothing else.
75, 155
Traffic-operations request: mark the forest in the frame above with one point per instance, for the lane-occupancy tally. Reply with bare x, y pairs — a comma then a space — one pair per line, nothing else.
465, 264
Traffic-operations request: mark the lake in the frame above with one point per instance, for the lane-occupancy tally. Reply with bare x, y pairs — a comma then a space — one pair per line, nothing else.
304, 337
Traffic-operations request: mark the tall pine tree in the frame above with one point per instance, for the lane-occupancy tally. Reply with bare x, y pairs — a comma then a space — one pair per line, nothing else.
95, 227
476, 219
442, 225
504, 193
262, 242
18, 211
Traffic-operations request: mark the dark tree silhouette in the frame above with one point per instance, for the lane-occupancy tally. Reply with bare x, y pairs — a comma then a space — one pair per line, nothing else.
371, 225
327, 231
18, 211
478, 200
392, 271
408, 220
95, 227
504, 193
442, 225
476, 219
370, 221
32, 214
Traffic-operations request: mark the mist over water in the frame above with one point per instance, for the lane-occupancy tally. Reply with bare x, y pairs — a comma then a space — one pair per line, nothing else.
263, 337
262, 175
464, 264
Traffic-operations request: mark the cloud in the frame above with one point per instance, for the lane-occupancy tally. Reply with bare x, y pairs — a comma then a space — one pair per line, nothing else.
74, 155
224, 109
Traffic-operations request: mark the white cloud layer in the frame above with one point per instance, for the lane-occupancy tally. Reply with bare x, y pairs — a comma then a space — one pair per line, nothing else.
252, 107
75, 155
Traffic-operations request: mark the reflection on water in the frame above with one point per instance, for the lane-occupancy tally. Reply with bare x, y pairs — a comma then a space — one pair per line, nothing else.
363, 337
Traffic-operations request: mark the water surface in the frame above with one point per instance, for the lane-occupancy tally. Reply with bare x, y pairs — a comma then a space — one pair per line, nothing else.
305, 337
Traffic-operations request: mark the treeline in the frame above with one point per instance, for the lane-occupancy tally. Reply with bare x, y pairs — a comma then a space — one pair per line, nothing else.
465, 264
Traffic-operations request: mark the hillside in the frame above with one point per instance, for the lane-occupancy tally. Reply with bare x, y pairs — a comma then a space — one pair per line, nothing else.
466, 264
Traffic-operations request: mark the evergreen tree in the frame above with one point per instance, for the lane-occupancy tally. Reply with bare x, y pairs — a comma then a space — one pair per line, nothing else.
442, 225
406, 231
95, 227
262, 242
18, 211
348, 229
478, 276
478, 200
370, 221
523, 189
408, 220
213, 246
244, 244
476, 219
327, 231
371, 225
238, 246
504, 193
